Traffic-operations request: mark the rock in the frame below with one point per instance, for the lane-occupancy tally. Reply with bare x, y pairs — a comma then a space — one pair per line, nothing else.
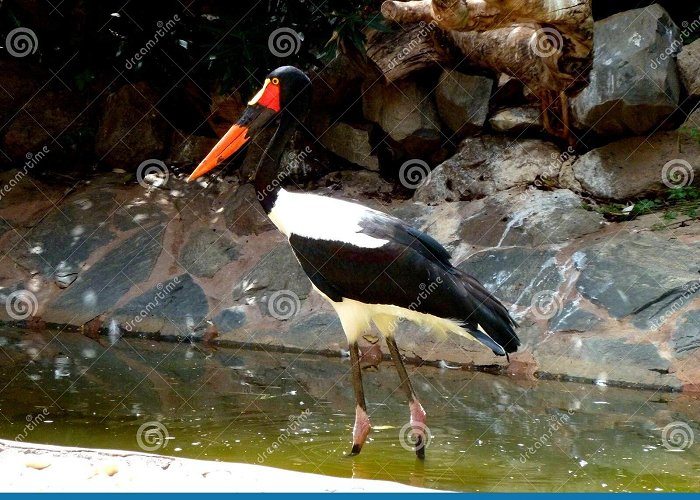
20, 81
572, 318
405, 111
140, 214
508, 93
242, 211
65, 275
530, 218
351, 143
515, 274
277, 271
131, 129
516, 120
108, 280
617, 352
632, 89
633, 272
336, 88
463, 101
226, 109
177, 306
655, 314
357, 185
638, 166
63, 240
206, 252
192, 149
689, 68
487, 164
49, 114
686, 336
229, 319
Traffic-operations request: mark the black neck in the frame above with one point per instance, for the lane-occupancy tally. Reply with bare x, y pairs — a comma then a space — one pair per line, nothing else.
267, 179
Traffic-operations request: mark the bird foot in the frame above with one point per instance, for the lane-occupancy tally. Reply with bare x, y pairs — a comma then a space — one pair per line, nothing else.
360, 430
421, 433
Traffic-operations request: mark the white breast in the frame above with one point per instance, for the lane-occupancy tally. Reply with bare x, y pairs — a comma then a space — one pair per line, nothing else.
322, 218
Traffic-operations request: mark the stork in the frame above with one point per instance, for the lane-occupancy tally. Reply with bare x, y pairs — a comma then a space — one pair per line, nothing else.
370, 266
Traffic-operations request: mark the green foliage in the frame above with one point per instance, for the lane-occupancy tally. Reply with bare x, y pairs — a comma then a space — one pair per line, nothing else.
676, 202
692, 132
349, 29
217, 41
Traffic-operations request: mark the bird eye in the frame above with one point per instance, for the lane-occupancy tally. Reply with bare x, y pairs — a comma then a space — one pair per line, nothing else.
275, 81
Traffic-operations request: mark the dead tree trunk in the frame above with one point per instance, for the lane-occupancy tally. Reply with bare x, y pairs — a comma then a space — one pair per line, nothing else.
546, 44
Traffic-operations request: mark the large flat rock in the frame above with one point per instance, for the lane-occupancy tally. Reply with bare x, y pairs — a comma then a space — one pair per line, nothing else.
99, 288
634, 272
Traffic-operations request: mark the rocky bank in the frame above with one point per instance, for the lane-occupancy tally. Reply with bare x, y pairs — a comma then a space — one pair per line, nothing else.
611, 299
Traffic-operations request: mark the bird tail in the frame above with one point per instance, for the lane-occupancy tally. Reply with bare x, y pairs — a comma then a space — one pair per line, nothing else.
488, 320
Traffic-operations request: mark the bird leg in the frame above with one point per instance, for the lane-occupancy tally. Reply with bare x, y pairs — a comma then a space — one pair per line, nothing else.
362, 426
417, 412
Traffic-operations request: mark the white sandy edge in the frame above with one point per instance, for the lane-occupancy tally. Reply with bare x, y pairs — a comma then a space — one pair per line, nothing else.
28, 467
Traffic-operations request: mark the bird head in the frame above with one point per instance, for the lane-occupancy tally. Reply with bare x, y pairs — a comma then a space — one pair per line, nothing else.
285, 94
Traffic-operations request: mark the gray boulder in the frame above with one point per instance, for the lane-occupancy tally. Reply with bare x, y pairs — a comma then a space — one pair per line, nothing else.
463, 101
131, 129
405, 111
487, 164
351, 143
516, 120
633, 86
689, 68
636, 166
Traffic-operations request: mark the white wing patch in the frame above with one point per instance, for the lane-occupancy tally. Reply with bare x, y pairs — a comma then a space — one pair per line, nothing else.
322, 218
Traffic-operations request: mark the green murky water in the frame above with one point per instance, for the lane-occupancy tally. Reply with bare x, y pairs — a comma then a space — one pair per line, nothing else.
295, 411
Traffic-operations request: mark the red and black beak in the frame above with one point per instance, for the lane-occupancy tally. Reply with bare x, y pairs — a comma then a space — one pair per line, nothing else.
260, 111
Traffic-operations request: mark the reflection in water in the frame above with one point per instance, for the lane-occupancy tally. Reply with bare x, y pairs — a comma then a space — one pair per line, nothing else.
489, 433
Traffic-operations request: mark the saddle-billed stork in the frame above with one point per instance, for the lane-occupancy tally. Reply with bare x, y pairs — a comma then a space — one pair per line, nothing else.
371, 267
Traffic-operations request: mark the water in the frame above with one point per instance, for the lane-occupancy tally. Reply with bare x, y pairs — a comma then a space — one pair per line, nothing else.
489, 433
